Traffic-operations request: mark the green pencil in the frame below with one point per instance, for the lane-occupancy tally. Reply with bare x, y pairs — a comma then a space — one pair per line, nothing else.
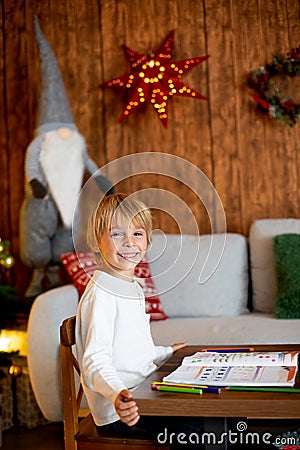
264, 389
179, 389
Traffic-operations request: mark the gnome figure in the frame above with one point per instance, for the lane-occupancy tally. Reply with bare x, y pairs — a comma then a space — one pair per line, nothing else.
55, 164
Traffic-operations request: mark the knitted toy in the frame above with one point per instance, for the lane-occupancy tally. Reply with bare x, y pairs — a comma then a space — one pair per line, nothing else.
55, 164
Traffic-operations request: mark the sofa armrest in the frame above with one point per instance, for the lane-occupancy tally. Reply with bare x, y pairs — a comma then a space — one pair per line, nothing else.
47, 313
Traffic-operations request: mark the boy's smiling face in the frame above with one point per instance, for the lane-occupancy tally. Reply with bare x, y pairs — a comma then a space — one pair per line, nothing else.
122, 247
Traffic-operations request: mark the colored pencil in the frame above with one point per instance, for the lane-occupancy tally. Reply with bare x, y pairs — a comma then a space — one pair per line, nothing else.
185, 387
263, 389
229, 350
170, 384
178, 389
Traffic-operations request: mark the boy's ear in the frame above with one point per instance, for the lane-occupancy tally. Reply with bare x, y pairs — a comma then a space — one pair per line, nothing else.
92, 240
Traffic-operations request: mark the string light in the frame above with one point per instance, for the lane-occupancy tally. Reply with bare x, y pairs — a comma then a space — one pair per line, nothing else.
6, 259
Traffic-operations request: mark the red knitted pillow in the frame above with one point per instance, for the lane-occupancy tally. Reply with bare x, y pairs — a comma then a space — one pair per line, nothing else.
81, 268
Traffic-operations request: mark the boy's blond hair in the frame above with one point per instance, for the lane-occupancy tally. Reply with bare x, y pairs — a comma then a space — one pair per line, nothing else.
116, 204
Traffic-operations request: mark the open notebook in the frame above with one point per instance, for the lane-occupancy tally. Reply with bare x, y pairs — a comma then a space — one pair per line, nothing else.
237, 369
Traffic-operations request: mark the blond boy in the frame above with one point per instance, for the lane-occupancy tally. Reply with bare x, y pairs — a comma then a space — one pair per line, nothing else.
114, 344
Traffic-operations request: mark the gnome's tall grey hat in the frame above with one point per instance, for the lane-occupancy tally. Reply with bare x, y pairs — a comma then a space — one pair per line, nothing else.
54, 109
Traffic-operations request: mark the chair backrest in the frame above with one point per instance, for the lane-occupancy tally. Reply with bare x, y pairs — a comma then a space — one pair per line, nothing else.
83, 435
71, 399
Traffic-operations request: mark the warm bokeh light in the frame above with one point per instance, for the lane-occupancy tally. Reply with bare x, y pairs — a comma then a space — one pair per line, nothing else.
12, 340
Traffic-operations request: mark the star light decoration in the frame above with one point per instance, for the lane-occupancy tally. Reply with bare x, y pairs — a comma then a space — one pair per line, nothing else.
154, 78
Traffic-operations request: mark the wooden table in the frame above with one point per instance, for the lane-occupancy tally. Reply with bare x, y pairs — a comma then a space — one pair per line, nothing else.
250, 405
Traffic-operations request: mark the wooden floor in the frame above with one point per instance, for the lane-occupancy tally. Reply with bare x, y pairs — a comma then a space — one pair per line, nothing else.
45, 437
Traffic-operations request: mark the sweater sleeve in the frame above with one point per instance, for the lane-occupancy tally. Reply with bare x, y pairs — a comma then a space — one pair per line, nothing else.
90, 165
96, 319
162, 354
32, 161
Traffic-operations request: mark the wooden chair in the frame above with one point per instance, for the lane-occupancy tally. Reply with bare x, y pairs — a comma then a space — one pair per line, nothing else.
81, 434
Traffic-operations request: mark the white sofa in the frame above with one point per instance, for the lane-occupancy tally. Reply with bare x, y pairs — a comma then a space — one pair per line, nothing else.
212, 311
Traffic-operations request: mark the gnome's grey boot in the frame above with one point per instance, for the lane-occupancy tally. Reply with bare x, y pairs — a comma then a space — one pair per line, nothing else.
52, 276
36, 284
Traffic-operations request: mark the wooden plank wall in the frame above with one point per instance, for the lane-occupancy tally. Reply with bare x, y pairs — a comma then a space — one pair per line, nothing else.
252, 162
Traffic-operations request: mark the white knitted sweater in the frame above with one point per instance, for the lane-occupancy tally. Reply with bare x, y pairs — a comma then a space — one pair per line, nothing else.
114, 343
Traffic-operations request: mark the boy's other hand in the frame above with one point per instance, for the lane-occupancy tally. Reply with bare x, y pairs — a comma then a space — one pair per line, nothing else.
179, 345
126, 408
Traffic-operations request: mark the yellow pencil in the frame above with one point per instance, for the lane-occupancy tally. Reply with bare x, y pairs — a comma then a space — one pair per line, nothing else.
161, 383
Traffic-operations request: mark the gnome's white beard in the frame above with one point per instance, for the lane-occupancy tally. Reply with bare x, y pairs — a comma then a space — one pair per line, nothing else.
62, 163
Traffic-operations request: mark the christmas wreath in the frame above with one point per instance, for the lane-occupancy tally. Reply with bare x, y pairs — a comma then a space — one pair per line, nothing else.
268, 97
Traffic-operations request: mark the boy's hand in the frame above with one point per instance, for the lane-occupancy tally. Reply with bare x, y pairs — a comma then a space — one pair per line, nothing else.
179, 345
126, 408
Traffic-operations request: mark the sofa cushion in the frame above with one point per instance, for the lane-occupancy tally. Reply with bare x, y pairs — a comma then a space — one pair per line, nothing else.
81, 267
153, 304
261, 235
246, 329
177, 261
287, 263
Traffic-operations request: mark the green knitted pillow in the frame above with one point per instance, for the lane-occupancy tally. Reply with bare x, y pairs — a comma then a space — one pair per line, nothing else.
287, 268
